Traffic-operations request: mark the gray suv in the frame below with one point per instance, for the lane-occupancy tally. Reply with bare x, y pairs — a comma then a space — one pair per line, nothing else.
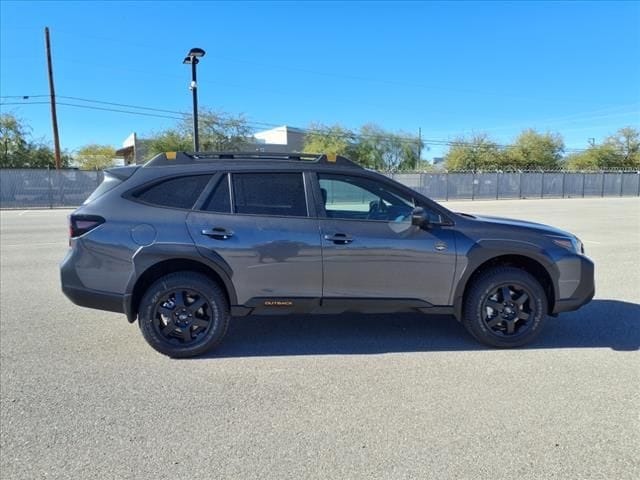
187, 241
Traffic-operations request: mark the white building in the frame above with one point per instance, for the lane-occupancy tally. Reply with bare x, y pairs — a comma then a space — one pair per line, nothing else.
280, 139
134, 150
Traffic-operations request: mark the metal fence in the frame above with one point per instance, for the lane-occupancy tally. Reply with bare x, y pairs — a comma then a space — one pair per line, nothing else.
46, 188
43, 188
505, 185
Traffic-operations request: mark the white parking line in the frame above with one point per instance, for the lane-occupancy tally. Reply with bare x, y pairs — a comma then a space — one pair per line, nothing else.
32, 244
592, 241
40, 211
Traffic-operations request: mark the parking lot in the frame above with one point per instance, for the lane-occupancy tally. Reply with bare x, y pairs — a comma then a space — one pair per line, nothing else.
384, 396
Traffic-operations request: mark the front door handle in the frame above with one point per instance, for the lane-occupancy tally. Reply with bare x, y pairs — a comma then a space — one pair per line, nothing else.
219, 233
339, 238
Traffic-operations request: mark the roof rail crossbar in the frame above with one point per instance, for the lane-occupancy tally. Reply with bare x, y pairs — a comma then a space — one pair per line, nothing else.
253, 155
185, 158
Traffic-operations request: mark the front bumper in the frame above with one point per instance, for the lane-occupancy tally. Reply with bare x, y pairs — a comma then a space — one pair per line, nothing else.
582, 269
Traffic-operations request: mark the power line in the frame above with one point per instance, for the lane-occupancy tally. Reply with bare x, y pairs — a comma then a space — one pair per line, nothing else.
101, 102
575, 117
24, 97
345, 136
22, 103
91, 107
253, 124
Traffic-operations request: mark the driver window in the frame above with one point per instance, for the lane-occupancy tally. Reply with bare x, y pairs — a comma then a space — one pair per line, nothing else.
359, 198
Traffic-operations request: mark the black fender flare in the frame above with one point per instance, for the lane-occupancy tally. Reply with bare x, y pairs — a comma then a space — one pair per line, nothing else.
484, 251
147, 257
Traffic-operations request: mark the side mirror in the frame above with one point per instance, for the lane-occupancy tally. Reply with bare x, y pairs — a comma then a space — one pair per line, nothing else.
419, 218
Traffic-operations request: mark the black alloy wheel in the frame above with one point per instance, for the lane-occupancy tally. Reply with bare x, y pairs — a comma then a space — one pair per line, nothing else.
182, 316
505, 307
508, 309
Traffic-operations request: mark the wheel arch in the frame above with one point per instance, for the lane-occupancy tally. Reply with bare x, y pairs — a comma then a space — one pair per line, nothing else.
152, 265
543, 271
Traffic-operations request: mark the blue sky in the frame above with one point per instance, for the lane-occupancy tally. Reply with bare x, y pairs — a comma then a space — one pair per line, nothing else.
447, 68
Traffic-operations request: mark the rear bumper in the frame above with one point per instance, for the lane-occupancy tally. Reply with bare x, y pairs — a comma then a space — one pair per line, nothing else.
85, 297
584, 291
75, 291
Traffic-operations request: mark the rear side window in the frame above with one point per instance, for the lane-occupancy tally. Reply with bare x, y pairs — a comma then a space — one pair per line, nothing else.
220, 199
269, 194
181, 192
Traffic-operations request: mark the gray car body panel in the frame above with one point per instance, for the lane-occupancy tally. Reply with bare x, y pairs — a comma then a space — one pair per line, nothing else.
388, 260
389, 266
269, 256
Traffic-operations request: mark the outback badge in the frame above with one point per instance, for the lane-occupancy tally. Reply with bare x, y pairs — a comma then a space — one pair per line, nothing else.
278, 303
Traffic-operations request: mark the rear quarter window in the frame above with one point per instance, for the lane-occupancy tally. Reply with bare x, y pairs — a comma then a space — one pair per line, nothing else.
181, 192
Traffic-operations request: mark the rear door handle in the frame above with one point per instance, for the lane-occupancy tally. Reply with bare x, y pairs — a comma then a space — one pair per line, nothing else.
219, 233
339, 238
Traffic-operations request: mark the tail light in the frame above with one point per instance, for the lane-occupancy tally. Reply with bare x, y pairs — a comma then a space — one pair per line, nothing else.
81, 224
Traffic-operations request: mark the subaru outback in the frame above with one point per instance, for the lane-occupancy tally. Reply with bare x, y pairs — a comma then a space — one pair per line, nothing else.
187, 241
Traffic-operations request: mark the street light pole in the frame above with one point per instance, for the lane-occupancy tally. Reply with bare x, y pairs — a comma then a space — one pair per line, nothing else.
192, 59
194, 91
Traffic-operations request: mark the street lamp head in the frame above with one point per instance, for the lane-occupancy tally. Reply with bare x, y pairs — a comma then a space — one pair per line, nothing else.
196, 52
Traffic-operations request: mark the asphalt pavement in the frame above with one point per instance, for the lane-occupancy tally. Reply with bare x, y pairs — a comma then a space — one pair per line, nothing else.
345, 397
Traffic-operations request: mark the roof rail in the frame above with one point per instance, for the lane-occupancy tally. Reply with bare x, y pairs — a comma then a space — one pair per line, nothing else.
190, 158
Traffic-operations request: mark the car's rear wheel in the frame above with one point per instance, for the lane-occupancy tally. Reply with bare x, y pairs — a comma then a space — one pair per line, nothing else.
184, 314
505, 307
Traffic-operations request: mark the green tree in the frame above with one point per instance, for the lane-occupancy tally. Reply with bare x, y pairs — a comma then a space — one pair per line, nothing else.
533, 150
369, 150
371, 147
384, 150
333, 140
620, 150
626, 142
594, 158
19, 150
95, 157
220, 132
476, 153
170, 140
13, 135
216, 131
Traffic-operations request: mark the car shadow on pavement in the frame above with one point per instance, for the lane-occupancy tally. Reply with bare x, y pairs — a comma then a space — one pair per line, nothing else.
600, 324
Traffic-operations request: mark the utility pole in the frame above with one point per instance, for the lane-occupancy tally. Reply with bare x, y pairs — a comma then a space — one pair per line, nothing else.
52, 94
419, 147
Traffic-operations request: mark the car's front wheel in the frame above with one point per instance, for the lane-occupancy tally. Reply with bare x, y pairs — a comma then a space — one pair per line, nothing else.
183, 314
505, 307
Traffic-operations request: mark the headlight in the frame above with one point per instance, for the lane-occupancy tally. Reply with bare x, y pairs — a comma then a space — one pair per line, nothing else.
572, 244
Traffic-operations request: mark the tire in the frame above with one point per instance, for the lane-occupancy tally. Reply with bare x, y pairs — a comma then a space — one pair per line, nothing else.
184, 314
505, 307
